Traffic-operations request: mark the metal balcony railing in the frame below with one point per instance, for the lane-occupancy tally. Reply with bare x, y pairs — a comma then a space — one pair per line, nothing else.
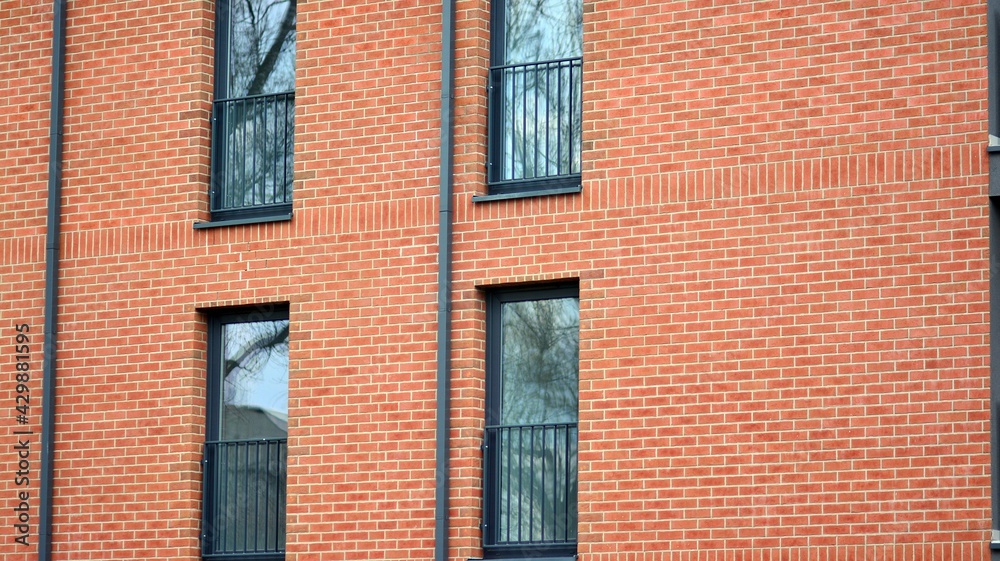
253, 139
531, 486
536, 121
245, 498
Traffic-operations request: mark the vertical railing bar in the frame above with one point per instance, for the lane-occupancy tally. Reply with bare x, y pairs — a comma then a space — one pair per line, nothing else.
510, 483
541, 528
560, 117
239, 131
275, 494
230, 165
531, 489
263, 492
224, 159
571, 437
513, 124
212, 467
508, 127
520, 478
257, 498
225, 484
249, 540
257, 145
227, 535
548, 119
260, 152
556, 471
237, 174
277, 141
566, 477
534, 142
280, 501
242, 171
569, 117
502, 486
576, 109
280, 114
212, 525
524, 122
275, 511
221, 494
571, 111
246, 496
250, 163
249, 160
289, 144
284, 149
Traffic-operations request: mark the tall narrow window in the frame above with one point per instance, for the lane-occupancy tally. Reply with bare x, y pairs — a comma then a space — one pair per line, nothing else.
535, 95
246, 436
253, 117
530, 448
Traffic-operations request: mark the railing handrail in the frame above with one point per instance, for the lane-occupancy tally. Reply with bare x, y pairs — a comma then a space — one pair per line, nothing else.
552, 62
538, 425
247, 441
289, 93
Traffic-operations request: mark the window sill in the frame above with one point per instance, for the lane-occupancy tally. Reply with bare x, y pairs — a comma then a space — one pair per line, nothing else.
566, 190
285, 217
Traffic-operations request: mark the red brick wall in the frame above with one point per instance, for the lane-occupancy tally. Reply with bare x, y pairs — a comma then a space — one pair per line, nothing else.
780, 244
781, 247
25, 51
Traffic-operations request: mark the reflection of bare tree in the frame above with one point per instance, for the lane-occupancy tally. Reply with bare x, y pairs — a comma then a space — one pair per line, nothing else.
261, 47
538, 89
255, 110
536, 444
541, 346
542, 30
255, 361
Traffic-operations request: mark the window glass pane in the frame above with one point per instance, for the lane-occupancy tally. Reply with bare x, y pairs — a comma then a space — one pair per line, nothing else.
540, 345
540, 30
255, 380
261, 47
532, 451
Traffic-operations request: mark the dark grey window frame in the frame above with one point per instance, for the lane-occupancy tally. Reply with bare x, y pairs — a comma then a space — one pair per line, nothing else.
500, 188
217, 319
223, 214
495, 299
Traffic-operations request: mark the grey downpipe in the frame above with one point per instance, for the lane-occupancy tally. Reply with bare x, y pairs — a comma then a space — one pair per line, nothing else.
45, 474
993, 153
445, 219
